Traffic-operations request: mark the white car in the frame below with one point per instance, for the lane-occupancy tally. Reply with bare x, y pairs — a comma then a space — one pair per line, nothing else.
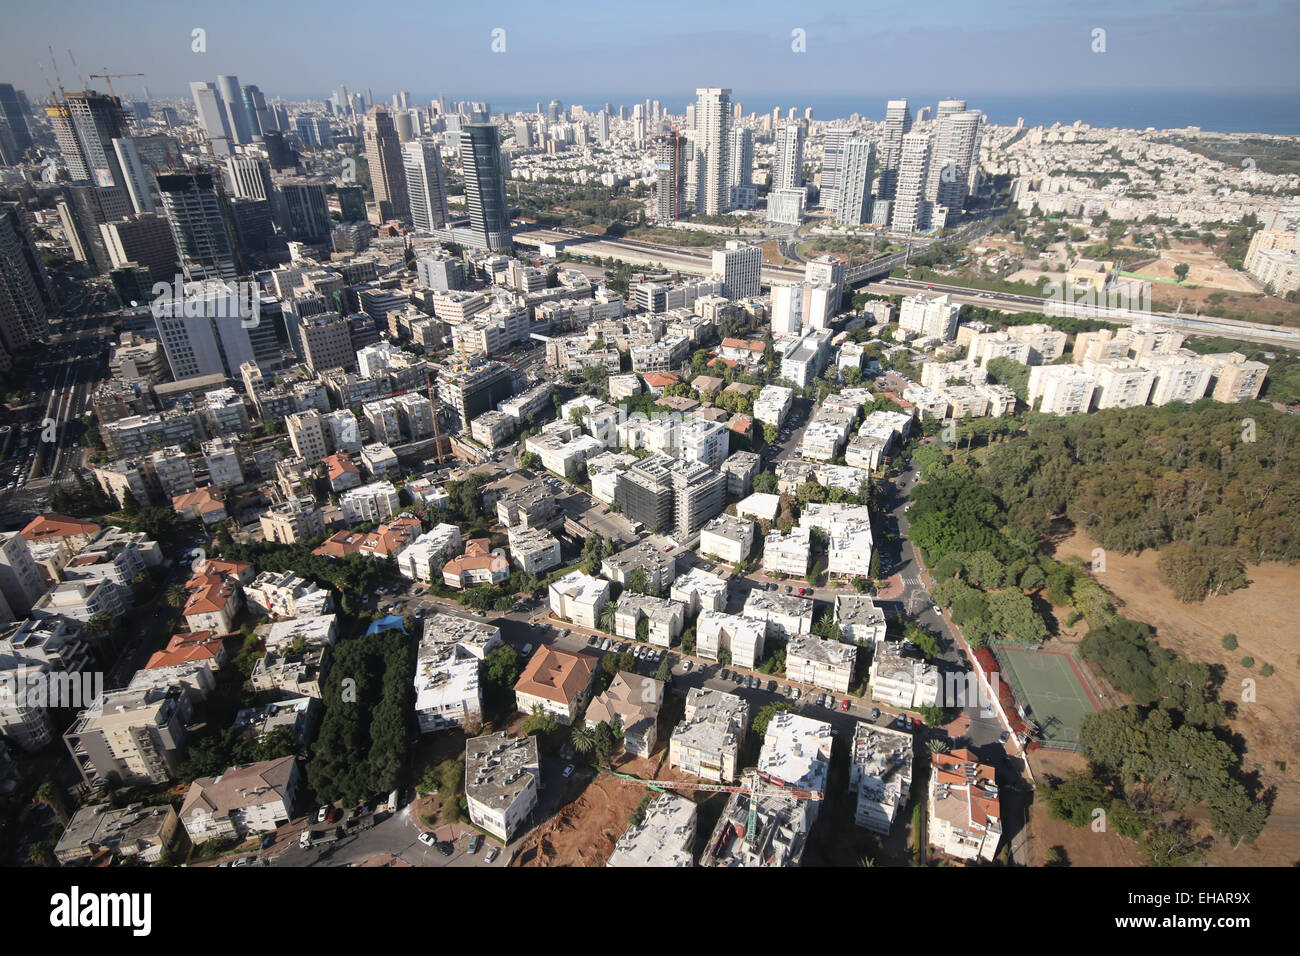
426, 838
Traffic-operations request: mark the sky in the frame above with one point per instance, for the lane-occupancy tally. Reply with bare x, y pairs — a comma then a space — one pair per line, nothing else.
661, 49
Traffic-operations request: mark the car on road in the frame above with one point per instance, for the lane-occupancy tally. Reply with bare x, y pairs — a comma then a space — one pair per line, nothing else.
797, 694
568, 771
875, 713
492, 854
687, 665
475, 844
788, 589
592, 640
845, 706
1003, 737
445, 848
426, 838
935, 608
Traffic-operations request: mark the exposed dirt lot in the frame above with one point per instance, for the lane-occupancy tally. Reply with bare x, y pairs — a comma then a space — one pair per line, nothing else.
1081, 846
584, 831
1263, 616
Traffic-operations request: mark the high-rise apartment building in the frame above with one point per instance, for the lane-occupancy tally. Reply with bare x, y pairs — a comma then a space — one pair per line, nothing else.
425, 185
857, 162
26, 296
910, 212
195, 208
787, 160
741, 268
898, 123
670, 160
713, 123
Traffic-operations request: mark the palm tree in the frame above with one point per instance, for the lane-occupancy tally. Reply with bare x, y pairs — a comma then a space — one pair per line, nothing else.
177, 595
608, 616
938, 746
866, 861
583, 738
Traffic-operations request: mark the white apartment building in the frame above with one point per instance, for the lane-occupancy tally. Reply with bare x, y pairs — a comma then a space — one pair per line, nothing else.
579, 598
1064, 389
727, 538
665, 837
664, 618
533, 550
1120, 383
880, 776
901, 681
423, 558
501, 782
822, 663
787, 615
699, 591
741, 638
707, 742
929, 317
787, 553
741, 267
377, 501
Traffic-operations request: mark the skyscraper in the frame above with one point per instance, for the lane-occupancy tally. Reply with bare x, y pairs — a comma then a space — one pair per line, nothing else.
384, 157
910, 211
212, 117
485, 184
832, 164
250, 177
898, 123
303, 212
787, 161
232, 100
740, 156
670, 160
85, 125
713, 122
853, 193
26, 297
954, 157
425, 185
12, 113
196, 209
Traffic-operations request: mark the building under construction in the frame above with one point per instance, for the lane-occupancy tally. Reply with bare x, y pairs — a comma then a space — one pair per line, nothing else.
764, 829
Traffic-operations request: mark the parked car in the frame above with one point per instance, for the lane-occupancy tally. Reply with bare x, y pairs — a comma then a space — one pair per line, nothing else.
687, 665
528, 649
788, 589
321, 814
568, 771
475, 844
492, 854
445, 848
907, 723
592, 640
875, 713
1003, 737
821, 699
426, 838
845, 706
771, 687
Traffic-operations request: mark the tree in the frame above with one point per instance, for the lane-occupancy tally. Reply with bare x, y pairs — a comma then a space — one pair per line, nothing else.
765, 715
539, 722
770, 434
1181, 271
583, 738
609, 617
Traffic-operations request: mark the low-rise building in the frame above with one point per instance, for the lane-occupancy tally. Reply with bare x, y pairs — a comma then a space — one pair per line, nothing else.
289, 522
739, 637
135, 831
822, 663
664, 618
787, 552
633, 702
248, 799
708, 740
447, 691
478, 565
699, 591
727, 538
665, 836
579, 598
964, 815
556, 681
502, 780
859, 620
534, 550
901, 681
787, 615
424, 557
880, 776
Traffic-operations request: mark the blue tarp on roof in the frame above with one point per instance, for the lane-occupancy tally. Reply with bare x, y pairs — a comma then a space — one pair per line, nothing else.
390, 623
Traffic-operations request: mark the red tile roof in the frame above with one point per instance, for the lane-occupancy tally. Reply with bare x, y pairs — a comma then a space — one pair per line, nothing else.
556, 675
57, 526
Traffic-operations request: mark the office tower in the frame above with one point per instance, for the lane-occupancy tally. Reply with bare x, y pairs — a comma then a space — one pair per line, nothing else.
384, 157
303, 212
832, 165
85, 125
741, 269
213, 118
469, 392
404, 123
250, 177
210, 333
485, 184
260, 119
145, 241
713, 122
955, 157
138, 173
524, 134
554, 110
26, 296
195, 208
602, 127
254, 225
787, 161
278, 151
352, 203
82, 213
425, 185
853, 193
740, 157
898, 123
324, 342
670, 160
12, 113
232, 101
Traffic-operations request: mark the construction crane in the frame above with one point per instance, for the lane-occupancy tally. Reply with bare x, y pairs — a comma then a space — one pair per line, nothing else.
107, 77
757, 785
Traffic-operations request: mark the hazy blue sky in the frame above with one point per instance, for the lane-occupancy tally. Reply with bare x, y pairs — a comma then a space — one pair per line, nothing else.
606, 48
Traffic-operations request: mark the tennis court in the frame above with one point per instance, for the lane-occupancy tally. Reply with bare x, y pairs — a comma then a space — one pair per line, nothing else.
1053, 695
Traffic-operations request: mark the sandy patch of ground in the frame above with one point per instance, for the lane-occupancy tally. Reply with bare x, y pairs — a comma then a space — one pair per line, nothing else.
1263, 616
584, 831
1080, 845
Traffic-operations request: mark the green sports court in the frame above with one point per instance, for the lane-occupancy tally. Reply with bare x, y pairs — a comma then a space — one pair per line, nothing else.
1052, 692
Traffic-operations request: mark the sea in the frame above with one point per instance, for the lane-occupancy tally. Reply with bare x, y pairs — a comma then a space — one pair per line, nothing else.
1273, 112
